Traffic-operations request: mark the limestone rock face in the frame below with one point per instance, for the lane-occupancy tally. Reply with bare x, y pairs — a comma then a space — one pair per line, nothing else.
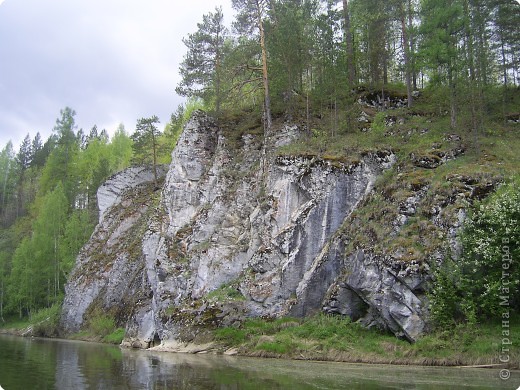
111, 191
108, 274
231, 235
380, 295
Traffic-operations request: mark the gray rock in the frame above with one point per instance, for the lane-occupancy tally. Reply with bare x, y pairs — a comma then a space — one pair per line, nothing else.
225, 239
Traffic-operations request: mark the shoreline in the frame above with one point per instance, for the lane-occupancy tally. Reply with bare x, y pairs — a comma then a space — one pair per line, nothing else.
341, 357
332, 356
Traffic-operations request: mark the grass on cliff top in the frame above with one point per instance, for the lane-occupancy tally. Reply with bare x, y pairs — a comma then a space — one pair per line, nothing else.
335, 338
421, 132
422, 129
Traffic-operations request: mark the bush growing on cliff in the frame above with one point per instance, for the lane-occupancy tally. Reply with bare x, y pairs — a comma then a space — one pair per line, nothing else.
102, 324
485, 283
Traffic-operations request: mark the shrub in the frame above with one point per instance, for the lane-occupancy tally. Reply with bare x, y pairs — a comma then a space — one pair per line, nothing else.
116, 337
102, 325
491, 252
486, 279
45, 321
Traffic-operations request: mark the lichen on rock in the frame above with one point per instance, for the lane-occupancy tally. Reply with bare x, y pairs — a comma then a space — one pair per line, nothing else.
224, 240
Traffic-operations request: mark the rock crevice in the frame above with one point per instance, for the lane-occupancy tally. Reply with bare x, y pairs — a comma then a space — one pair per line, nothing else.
223, 240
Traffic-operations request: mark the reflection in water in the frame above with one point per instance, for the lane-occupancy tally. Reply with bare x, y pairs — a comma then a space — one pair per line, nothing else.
58, 364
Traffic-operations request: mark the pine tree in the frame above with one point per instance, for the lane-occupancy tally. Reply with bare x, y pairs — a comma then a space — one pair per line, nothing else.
349, 43
59, 167
441, 29
201, 68
251, 15
23, 163
146, 143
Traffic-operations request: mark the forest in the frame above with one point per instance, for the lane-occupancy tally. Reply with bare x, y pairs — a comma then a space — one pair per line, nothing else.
305, 58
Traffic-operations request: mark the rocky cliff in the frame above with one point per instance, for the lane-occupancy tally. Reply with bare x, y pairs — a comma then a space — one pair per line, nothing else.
227, 237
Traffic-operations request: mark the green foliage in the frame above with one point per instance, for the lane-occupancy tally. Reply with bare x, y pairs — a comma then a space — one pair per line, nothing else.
336, 338
226, 292
146, 141
120, 150
378, 124
445, 295
59, 167
116, 337
102, 325
485, 282
201, 68
491, 258
78, 229
230, 336
287, 32
48, 205
45, 322
146, 144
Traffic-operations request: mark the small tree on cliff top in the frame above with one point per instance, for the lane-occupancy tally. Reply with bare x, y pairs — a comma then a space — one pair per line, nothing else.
146, 143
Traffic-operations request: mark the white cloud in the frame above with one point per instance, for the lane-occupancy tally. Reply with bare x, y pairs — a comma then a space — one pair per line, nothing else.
110, 60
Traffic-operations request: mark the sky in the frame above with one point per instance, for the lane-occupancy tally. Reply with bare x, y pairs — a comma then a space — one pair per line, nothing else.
112, 61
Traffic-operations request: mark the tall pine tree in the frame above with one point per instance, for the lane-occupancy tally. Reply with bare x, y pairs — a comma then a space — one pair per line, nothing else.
201, 69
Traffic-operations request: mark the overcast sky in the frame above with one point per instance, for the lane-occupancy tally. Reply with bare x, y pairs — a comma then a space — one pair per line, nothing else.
112, 61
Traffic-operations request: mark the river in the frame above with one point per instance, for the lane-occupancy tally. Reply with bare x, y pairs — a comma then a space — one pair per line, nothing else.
32, 363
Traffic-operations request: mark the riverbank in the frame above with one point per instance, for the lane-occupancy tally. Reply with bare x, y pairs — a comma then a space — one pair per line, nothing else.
336, 339
330, 338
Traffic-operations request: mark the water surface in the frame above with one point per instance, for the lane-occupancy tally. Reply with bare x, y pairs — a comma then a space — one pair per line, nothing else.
27, 363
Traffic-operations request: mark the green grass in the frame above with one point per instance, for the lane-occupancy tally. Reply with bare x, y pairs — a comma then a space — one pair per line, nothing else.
326, 337
100, 331
15, 323
226, 292
103, 325
116, 337
44, 322
422, 131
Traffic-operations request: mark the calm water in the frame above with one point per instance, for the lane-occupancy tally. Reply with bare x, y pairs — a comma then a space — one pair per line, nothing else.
57, 364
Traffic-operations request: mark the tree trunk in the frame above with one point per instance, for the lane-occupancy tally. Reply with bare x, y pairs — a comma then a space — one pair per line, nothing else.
406, 51
453, 97
2, 302
350, 47
267, 99
472, 79
154, 146
217, 84
411, 42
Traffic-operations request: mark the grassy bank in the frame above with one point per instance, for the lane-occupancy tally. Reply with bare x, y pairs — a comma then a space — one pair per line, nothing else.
45, 323
335, 338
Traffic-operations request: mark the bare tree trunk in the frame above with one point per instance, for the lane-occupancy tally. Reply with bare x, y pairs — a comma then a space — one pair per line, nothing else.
154, 146
472, 79
2, 302
453, 103
308, 114
406, 47
265, 78
350, 47
217, 80
411, 42
267, 99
